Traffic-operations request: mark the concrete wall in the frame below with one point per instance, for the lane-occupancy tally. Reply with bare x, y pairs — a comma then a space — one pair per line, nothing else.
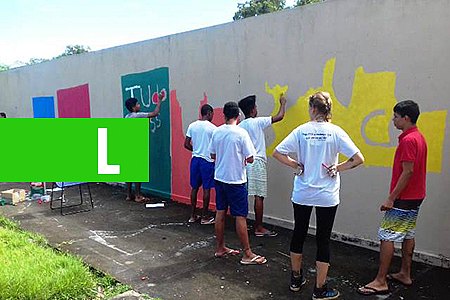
367, 54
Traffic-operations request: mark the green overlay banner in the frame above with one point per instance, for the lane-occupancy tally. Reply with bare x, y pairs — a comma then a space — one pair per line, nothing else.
74, 150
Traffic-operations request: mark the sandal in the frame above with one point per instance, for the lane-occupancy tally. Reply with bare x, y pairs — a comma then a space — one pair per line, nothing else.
267, 233
141, 199
231, 252
193, 219
257, 260
208, 221
370, 291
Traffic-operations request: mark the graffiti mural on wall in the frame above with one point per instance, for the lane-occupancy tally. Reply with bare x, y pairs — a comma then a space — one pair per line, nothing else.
145, 87
366, 118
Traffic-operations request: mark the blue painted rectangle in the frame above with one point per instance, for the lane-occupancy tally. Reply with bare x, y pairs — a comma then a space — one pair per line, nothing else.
43, 107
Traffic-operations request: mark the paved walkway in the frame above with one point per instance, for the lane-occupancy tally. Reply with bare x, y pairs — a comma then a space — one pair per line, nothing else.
158, 253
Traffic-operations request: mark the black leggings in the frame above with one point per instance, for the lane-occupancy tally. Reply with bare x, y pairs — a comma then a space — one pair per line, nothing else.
324, 221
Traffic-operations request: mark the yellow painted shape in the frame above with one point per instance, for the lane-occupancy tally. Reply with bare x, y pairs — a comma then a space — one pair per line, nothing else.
432, 125
366, 118
377, 129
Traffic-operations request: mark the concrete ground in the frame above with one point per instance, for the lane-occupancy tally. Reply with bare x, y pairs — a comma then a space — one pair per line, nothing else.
158, 253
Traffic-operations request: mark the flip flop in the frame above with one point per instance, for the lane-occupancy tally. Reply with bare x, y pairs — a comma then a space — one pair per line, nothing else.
231, 252
254, 261
267, 233
208, 222
393, 279
141, 199
371, 291
193, 220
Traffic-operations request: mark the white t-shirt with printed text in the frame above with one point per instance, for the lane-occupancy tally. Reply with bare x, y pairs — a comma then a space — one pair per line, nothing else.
255, 128
316, 143
231, 145
200, 133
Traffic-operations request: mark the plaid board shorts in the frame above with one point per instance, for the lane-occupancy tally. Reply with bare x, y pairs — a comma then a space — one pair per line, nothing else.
257, 178
399, 223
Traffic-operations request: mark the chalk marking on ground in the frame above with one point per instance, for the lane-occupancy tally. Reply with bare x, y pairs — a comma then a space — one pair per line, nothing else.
23, 209
99, 239
107, 257
284, 254
173, 224
140, 231
197, 245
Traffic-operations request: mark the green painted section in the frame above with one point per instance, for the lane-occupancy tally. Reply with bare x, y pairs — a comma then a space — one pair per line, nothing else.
142, 86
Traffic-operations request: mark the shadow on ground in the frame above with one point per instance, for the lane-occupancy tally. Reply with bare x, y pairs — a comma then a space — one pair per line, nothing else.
158, 253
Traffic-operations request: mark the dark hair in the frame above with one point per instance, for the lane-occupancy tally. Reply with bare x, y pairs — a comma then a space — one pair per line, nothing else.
408, 108
247, 104
130, 103
206, 109
3, 114
231, 110
322, 102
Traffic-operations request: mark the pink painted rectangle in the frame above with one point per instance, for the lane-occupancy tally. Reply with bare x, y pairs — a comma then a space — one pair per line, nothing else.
74, 102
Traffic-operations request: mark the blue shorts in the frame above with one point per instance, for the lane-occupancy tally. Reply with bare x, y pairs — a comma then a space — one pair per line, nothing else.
202, 173
234, 196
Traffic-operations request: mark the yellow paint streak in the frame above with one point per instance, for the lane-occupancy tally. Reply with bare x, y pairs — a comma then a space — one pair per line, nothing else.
432, 125
366, 118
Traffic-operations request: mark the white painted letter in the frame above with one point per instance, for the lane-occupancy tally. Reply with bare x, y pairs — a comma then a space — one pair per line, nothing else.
103, 167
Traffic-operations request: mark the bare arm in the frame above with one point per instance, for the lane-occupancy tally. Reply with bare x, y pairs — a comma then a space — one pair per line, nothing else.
280, 115
188, 144
213, 156
156, 111
249, 160
350, 163
285, 159
408, 169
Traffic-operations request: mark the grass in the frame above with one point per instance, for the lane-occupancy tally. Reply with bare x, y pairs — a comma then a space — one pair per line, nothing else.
30, 269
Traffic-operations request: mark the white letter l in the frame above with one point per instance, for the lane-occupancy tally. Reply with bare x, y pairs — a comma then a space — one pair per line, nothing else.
103, 167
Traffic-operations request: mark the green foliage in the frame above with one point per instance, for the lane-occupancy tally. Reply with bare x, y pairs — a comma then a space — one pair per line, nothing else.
74, 49
3, 67
30, 269
108, 285
258, 7
305, 2
70, 50
34, 61
253, 8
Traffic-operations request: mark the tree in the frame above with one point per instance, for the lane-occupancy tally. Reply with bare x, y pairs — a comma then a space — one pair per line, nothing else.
74, 49
34, 61
305, 2
70, 50
3, 67
258, 7
253, 8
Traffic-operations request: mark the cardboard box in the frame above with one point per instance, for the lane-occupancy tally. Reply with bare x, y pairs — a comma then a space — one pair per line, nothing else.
13, 196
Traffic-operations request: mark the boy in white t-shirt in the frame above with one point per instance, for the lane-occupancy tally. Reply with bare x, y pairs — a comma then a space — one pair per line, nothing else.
134, 107
232, 149
257, 171
198, 137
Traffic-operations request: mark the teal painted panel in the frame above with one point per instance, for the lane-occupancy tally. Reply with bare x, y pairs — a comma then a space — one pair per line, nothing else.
145, 86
